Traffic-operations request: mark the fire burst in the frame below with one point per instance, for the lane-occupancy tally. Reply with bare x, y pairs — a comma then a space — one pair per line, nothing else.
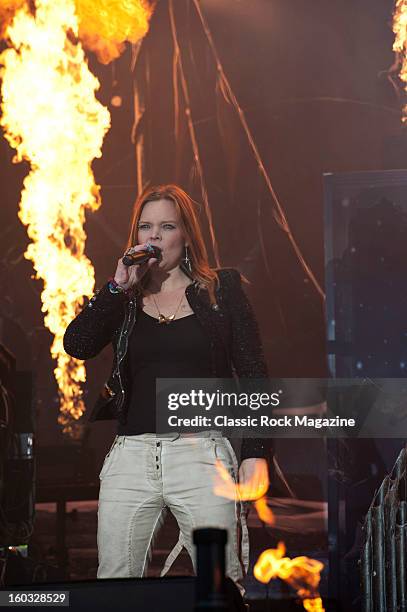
53, 120
105, 25
301, 573
400, 42
254, 489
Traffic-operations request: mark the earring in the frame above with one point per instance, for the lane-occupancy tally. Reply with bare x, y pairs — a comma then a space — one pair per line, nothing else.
187, 261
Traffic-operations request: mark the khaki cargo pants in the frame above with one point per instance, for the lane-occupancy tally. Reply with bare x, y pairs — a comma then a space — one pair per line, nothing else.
146, 474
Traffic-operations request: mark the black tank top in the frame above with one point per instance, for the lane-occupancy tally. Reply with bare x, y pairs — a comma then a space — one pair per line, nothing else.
177, 350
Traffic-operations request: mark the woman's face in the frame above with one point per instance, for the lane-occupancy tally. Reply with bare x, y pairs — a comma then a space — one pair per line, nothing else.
160, 225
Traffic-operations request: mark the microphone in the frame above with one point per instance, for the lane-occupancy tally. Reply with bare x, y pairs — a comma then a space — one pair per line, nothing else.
139, 257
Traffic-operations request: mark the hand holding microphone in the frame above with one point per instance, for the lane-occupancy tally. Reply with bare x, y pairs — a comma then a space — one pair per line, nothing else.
133, 256
135, 263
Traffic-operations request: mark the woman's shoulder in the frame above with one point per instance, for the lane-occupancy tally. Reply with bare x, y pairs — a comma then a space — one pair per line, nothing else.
228, 276
230, 279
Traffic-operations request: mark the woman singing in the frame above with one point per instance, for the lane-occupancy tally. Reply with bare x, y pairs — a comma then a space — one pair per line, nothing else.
172, 317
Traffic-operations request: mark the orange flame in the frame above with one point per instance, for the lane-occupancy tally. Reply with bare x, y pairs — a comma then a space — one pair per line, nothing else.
252, 490
400, 42
301, 573
53, 120
60, 131
105, 25
264, 512
313, 605
8, 9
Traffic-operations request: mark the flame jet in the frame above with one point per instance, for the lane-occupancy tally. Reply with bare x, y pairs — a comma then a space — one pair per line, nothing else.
105, 25
51, 116
400, 42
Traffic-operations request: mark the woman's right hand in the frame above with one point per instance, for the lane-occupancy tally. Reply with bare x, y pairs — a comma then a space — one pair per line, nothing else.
128, 276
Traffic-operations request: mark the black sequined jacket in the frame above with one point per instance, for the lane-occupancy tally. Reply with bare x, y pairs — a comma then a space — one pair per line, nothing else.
230, 325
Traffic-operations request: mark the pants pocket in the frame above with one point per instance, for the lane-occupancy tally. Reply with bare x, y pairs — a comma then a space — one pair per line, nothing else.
108, 460
223, 453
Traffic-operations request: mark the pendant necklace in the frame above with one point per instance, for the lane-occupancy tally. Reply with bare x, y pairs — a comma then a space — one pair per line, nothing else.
162, 318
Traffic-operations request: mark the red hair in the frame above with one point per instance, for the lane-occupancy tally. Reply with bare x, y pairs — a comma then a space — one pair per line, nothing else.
201, 270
